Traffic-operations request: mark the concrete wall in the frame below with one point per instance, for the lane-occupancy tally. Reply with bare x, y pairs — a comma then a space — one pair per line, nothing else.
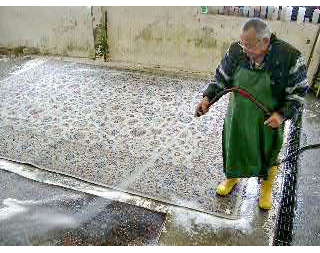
52, 30
162, 37
182, 38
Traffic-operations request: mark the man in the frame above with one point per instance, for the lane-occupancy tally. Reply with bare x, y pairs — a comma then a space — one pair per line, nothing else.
274, 72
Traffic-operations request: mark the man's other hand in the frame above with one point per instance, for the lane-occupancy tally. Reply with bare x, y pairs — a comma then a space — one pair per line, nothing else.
275, 120
202, 108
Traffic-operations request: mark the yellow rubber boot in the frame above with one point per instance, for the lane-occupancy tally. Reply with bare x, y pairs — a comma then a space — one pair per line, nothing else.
265, 200
225, 188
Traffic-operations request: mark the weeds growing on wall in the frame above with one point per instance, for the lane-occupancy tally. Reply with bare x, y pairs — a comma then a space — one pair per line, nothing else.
101, 45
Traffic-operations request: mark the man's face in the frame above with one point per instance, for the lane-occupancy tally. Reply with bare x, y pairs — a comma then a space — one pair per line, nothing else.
254, 48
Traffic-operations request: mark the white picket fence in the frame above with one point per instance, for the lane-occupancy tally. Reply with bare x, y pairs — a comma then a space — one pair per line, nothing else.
285, 13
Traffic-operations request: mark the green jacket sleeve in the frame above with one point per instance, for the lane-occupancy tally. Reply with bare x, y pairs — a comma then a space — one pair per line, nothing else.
224, 72
296, 88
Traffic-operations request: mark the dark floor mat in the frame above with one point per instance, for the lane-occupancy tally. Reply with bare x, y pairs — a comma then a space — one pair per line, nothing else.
33, 213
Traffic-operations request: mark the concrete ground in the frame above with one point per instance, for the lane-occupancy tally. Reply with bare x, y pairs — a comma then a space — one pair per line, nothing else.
184, 226
307, 224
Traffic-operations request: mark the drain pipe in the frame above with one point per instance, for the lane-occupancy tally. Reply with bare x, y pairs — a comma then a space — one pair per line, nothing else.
312, 55
313, 48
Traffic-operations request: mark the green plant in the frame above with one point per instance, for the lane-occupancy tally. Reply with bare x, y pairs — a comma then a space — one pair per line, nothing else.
101, 45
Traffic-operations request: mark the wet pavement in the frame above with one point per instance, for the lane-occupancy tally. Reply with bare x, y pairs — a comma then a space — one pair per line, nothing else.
180, 184
307, 221
182, 226
33, 213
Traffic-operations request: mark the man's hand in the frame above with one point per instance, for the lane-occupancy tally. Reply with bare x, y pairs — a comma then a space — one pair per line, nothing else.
275, 120
202, 108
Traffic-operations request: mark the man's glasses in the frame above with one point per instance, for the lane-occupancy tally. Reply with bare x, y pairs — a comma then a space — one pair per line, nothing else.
242, 46
249, 49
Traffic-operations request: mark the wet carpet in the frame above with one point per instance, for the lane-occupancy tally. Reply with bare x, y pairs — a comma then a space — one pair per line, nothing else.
130, 131
33, 213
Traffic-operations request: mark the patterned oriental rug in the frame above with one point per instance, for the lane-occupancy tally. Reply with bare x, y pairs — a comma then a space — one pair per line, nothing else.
130, 131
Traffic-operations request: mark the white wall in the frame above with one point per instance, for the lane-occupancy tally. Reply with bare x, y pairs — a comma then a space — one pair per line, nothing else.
53, 30
182, 38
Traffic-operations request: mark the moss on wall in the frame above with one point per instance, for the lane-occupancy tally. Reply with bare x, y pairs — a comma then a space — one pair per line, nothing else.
19, 50
205, 42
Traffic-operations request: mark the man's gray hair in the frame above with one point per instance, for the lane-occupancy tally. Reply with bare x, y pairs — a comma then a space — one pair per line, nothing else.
261, 27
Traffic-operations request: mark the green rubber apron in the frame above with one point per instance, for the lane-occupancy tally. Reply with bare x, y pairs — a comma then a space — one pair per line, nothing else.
250, 147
